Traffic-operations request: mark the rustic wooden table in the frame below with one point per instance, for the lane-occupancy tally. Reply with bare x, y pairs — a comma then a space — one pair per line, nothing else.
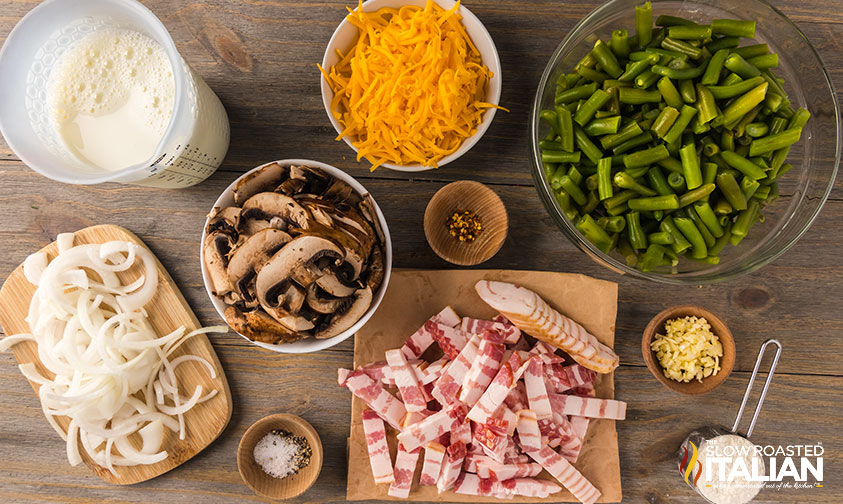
259, 57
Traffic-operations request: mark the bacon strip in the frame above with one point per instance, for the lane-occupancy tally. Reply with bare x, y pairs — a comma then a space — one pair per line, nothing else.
529, 434
450, 339
588, 407
432, 428
483, 369
556, 378
529, 487
492, 437
405, 467
378, 449
498, 389
496, 471
405, 378
448, 385
421, 340
580, 376
516, 400
566, 474
507, 417
432, 372
580, 425
472, 484
451, 467
461, 432
536, 389
373, 394
433, 455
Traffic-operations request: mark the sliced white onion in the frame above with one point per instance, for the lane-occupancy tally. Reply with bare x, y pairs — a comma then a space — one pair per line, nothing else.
112, 374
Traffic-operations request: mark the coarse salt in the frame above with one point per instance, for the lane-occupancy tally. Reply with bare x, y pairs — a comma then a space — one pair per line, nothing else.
280, 454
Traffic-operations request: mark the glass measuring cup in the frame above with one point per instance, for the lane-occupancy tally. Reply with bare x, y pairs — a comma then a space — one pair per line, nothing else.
194, 143
724, 443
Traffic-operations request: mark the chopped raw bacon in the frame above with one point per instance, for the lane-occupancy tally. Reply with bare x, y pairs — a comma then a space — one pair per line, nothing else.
451, 467
528, 430
556, 377
448, 385
421, 340
432, 427
483, 369
376, 397
498, 389
530, 487
588, 407
450, 339
579, 376
566, 474
536, 389
405, 467
504, 410
434, 453
496, 471
405, 378
378, 448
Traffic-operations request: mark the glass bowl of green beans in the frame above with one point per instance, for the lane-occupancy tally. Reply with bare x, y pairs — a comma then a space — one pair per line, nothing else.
685, 142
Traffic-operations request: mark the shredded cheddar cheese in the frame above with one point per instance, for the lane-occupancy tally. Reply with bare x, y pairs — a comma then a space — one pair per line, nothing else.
412, 89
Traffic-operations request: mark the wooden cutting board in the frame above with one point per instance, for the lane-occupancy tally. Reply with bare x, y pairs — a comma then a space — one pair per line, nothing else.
167, 311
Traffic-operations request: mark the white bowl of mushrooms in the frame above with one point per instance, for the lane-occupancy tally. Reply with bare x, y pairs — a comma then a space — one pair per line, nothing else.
296, 256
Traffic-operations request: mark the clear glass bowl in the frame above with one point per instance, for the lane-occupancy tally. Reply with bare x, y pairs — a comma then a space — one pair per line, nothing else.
815, 158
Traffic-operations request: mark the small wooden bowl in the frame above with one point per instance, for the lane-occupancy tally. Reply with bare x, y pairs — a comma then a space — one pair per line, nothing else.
460, 196
694, 387
262, 483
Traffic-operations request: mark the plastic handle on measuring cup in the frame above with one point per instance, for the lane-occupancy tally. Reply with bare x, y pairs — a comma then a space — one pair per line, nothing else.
752, 381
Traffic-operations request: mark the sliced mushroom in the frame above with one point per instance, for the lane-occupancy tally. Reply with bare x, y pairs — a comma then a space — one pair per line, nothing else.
215, 254
355, 253
375, 271
291, 186
333, 285
287, 302
269, 204
268, 176
254, 252
338, 191
321, 302
258, 326
224, 219
316, 210
299, 261
346, 315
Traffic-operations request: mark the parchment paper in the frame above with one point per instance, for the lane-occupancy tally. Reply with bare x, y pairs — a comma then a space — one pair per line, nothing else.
413, 296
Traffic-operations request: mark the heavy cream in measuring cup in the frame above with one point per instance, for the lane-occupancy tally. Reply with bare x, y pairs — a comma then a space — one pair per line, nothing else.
111, 98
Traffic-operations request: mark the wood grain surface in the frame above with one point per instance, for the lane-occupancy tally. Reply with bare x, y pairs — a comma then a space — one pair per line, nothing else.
259, 56
168, 311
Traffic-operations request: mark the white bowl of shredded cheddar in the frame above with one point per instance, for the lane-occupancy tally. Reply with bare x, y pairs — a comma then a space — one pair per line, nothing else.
418, 89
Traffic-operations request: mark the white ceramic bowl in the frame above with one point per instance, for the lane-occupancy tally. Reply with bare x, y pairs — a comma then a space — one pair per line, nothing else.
310, 344
346, 35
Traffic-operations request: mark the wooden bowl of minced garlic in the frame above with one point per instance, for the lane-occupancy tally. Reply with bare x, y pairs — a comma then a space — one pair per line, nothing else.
688, 349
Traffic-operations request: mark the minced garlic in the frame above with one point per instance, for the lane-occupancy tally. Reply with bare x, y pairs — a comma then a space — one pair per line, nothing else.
689, 350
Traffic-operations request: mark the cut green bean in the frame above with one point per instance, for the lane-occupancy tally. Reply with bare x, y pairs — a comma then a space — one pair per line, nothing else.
691, 166
634, 69
733, 27
549, 156
637, 238
799, 119
658, 181
708, 238
686, 113
732, 90
764, 61
642, 139
740, 107
615, 224
661, 237
652, 257
625, 181
676, 181
565, 128
715, 65
705, 105
586, 112
746, 219
749, 186
592, 75
731, 191
740, 66
634, 96
778, 141
567, 206
723, 43
594, 233
678, 74
721, 242
751, 51
680, 244
620, 43
644, 24
689, 32
606, 59
645, 157
757, 129
709, 172
574, 94
630, 130
604, 126
670, 93
588, 148
687, 91
664, 121
706, 214
646, 79
699, 249
652, 203
695, 195
743, 165
604, 178
619, 199
572, 189
681, 47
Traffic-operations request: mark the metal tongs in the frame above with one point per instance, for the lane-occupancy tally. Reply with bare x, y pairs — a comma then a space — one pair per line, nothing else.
752, 381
